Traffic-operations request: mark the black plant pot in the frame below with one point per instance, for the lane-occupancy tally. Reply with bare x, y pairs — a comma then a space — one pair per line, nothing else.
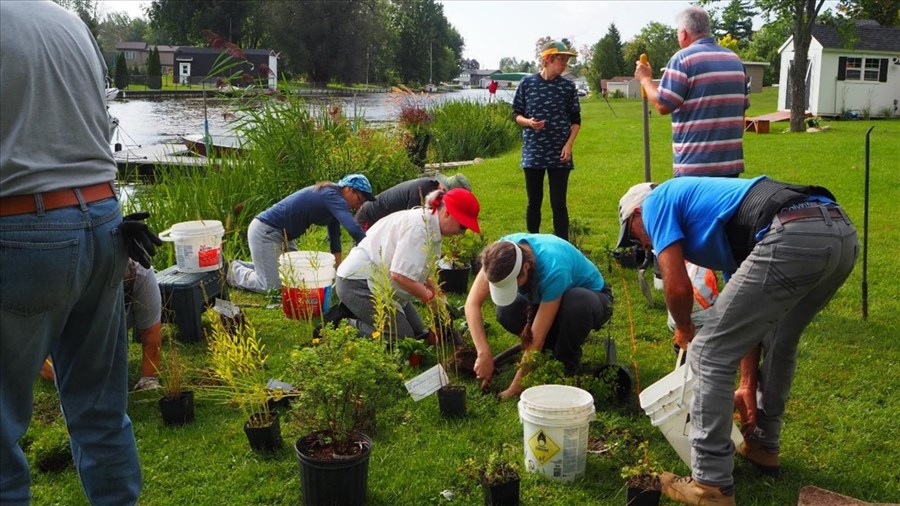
629, 258
452, 401
501, 494
341, 481
266, 438
642, 497
454, 280
178, 410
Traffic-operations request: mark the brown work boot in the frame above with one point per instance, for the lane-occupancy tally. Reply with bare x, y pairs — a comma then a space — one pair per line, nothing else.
765, 459
687, 491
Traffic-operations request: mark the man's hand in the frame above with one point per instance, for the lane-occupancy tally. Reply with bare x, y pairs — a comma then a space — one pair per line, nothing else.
745, 403
536, 124
642, 70
566, 154
139, 239
684, 335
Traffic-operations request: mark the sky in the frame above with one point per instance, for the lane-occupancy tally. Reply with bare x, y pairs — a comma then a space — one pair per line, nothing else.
493, 29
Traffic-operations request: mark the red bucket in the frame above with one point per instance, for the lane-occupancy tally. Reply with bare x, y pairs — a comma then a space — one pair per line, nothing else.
305, 303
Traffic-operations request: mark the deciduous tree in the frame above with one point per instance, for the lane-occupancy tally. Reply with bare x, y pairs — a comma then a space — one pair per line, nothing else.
658, 41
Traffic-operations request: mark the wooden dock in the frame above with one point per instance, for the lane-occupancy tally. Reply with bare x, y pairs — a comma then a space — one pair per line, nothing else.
142, 161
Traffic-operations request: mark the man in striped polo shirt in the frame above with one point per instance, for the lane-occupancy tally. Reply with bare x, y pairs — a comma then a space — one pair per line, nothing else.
704, 88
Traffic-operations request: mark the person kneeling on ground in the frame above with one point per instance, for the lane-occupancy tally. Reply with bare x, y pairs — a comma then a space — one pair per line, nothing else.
404, 243
546, 291
406, 195
143, 310
790, 248
273, 231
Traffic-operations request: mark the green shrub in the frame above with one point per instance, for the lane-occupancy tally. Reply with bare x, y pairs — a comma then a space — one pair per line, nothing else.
466, 129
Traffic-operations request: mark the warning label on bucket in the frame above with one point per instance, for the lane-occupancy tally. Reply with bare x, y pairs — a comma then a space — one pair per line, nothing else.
542, 447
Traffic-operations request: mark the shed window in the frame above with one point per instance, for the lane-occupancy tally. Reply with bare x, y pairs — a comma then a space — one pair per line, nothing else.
862, 69
129, 55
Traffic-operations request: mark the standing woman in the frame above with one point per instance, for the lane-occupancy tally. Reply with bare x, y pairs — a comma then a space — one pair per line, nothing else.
273, 231
546, 107
404, 242
546, 291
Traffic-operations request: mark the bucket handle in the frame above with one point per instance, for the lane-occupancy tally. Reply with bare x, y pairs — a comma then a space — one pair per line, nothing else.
166, 235
684, 380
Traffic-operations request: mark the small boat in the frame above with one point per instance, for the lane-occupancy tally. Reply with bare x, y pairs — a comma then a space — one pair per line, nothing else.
111, 94
221, 144
430, 88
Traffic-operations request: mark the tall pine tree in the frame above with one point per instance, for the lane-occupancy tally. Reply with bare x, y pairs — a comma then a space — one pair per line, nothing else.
609, 60
122, 76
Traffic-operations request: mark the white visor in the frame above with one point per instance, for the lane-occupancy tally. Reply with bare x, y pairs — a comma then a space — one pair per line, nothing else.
505, 291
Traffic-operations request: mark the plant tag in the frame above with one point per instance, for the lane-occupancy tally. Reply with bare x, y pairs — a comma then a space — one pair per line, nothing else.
427, 383
274, 384
226, 308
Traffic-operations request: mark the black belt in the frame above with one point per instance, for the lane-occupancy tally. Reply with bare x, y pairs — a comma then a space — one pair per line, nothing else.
809, 212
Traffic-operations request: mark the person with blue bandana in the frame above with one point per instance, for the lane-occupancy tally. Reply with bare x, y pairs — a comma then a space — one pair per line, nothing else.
788, 249
274, 230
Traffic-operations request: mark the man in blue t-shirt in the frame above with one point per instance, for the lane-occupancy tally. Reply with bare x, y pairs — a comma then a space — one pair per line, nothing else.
704, 88
789, 248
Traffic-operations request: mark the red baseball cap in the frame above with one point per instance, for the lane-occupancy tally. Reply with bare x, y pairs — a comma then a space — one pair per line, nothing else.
464, 207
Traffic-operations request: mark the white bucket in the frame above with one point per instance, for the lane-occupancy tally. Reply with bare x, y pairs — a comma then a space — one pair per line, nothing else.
555, 422
198, 244
306, 278
668, 404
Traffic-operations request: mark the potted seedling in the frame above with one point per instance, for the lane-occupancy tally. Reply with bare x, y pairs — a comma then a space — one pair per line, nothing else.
177, 402
414, 351
342, 381
500, 477
453, 273
642, 484
238, 363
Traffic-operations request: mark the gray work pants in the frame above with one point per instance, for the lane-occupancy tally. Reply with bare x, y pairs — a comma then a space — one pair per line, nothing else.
267, 243
788, 278
356, 295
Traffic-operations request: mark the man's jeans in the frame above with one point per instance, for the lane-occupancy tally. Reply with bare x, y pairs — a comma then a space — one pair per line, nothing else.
61, 294
788, 278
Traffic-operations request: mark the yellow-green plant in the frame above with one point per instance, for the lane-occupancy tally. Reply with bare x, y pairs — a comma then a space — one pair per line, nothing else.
237, 362
385, 316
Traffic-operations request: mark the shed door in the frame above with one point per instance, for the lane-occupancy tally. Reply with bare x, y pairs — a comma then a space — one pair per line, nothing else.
184, 72
788, 95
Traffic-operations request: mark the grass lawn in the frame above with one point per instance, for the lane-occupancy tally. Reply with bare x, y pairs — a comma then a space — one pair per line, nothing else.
841, 427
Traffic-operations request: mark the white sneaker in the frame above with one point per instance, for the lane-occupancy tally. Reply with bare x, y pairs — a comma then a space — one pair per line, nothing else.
147, 383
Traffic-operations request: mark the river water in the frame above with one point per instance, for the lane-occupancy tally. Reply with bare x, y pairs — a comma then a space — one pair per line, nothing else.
144, 122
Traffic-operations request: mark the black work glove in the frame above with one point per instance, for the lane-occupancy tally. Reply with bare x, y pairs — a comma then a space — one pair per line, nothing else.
140, 240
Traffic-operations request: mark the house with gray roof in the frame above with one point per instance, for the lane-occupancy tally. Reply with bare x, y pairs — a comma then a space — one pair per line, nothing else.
860, 76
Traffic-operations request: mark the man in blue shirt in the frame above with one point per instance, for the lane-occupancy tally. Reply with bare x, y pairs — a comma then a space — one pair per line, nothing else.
789, 248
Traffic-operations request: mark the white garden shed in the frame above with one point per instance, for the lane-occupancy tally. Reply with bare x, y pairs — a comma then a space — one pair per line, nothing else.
862, 77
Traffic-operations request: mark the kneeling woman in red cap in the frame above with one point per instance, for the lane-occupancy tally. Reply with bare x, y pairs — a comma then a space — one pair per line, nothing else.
402, 245
546, 291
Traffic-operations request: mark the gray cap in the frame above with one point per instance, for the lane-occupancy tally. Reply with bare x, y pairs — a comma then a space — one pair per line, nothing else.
455, 181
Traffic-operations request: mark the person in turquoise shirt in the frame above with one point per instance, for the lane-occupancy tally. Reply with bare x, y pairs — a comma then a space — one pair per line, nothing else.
546, 291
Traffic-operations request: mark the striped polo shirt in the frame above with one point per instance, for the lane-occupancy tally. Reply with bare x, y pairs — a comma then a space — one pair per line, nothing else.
704, 86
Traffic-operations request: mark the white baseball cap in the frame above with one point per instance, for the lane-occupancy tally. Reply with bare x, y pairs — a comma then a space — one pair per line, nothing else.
633, 199
505, 291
